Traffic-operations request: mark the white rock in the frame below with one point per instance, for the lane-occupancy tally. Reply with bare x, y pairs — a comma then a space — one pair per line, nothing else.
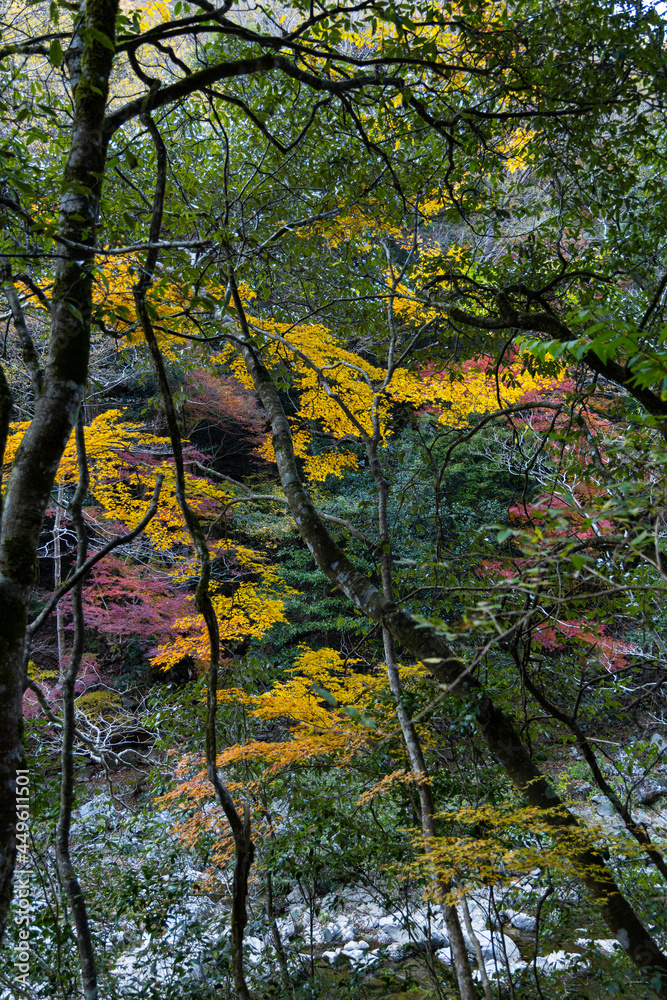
286, 927
360, 896
364, 946
523, 921
557, 961
395, 951
317, 933
401, 939
361, 956
500, 972
479, 917
511, 949
606, 945
255, 950
392, 929
491, 945
331, 956
342, 929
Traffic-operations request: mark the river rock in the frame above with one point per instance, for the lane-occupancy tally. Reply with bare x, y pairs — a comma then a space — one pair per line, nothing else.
523, 922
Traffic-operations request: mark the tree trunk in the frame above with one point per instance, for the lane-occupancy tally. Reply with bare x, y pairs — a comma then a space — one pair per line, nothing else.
411, 739
66, 871
34, 470
486, 985
457, 943
6, 403
58, 579
244, 849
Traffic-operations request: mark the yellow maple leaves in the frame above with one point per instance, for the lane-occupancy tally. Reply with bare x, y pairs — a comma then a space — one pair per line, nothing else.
474, 389
332, 709
250, 612
124, 460
339, 390
329, 704
516, 839
331, 712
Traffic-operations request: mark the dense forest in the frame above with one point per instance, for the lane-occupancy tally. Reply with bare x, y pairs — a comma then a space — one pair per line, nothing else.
333, 415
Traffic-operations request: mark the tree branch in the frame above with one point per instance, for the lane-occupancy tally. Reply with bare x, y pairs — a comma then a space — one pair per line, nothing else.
545, 323
84, 570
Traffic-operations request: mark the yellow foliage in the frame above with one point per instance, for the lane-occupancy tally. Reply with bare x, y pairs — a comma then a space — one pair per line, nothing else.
251, 611
121, 481
474, 391
123, 470
334, 463
336, 729
295, 699
39, 675
100, 705
517, 839
339, 390
402, 776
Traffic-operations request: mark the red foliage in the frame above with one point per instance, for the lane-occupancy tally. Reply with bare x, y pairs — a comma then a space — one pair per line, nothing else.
125, 600
227, 412
88, 678
592, 636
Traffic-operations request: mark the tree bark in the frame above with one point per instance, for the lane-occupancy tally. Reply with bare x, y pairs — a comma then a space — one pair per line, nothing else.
486, 985
66, 870
39, 455
244, 849
431, 649
457, 943
411, 739
28, 350
58, 579
6, 403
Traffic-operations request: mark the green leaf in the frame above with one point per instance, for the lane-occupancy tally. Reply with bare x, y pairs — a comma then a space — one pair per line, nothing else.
56, 53
74, 311
100, 37
327, 695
